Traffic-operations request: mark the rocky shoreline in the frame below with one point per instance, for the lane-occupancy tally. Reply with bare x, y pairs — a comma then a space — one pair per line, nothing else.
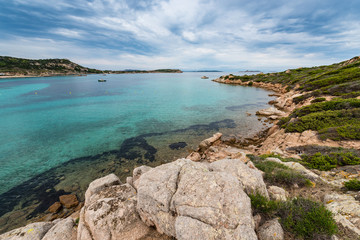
206, 194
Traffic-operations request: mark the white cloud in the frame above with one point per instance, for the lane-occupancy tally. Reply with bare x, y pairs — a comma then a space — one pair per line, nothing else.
190, 34
68, 33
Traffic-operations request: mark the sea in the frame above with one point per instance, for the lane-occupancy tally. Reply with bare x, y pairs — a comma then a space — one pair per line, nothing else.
59, 133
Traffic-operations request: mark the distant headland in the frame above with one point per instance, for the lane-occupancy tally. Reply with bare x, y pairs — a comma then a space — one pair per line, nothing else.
21, 67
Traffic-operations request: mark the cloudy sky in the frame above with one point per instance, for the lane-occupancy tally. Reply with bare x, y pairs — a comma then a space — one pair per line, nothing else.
268, 35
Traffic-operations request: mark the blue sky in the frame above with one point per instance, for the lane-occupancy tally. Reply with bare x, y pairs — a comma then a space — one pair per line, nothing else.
268, 35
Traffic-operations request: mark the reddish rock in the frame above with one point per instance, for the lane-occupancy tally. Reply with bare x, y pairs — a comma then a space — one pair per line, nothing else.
55, 207
69, 201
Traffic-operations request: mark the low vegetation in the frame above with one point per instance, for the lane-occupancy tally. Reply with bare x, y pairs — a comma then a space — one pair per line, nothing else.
314, 157
337, 119
329, 161
353, 185
278, 174
341, 79
304, 218
320, 99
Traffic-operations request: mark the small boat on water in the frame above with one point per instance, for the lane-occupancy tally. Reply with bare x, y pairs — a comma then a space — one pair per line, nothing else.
204, 77
101, 80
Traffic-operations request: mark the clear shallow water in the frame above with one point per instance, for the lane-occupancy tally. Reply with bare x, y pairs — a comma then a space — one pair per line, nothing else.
46, 122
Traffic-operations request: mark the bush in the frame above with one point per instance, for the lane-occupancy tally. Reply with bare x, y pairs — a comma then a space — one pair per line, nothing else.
261, 204
276, 173
250, 84
283, 121
307, 219
319, 161
337, 104
353, 185
323, 120
302, 217
316, 100
329, 161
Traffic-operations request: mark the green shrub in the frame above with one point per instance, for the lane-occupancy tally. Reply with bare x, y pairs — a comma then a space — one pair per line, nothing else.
353, 185
283, 121
323, 120
302, 217
319, 161
316, 100
329, 161
337, 104
276, 173
250, 84
306, 219
261, 204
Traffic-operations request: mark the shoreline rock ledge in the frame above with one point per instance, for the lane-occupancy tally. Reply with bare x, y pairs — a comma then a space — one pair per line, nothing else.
182, 199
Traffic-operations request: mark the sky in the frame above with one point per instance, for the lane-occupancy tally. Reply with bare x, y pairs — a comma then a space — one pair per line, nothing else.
266, 35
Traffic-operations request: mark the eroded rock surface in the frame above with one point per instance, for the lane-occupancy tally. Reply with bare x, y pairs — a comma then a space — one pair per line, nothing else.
346, 211
270, 112
205, 144
185, 199
250, 178
110, 213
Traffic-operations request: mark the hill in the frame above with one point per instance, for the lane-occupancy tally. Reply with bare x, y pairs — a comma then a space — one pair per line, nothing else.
330, 93
11, 66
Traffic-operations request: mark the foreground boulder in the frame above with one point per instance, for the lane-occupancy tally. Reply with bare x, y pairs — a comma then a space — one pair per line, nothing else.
190, 200
110, 214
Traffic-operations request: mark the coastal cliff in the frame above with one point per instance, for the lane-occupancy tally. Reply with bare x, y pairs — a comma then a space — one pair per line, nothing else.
297, 180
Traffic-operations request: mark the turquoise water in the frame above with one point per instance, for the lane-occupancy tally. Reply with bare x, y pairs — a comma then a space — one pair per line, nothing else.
46, 122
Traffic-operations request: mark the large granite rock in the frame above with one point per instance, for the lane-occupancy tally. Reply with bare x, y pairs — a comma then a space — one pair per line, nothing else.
33, 231
110, 213
190, 200
63, 230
